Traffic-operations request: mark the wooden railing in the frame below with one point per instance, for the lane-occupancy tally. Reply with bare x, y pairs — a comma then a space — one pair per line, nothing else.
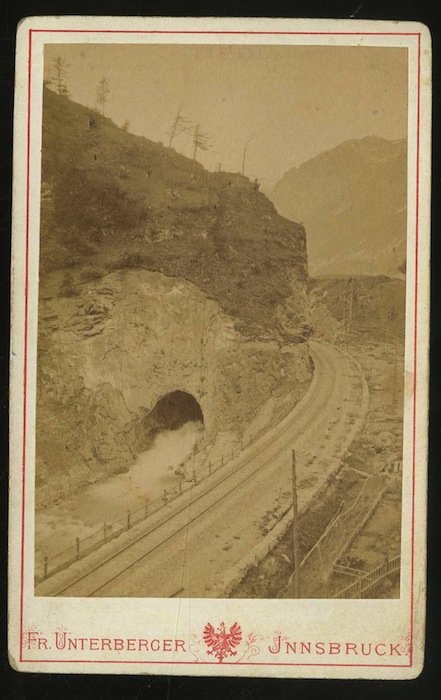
318, 563
358, 588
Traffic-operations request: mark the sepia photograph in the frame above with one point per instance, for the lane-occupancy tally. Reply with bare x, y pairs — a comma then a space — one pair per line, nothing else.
221, 321
219, 356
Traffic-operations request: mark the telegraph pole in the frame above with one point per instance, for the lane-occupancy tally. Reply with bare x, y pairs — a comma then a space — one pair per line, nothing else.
394, 386
195, 141
295, 529
350, 302
174, 128
244, 154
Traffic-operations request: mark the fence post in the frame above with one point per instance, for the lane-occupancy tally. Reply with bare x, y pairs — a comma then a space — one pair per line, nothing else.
295, 528
128, 520
46, 562
78, 547
319, 551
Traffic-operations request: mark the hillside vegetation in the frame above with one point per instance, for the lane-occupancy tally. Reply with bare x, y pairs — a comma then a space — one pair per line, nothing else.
112, 200
361, 308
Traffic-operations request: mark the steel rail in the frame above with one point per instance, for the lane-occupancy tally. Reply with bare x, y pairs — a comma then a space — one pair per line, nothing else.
316, 401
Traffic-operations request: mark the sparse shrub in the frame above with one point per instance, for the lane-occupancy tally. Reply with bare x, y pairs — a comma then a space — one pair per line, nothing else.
129, 260
94, 200
70, 260
77, 244
47, 210
67, 287
150, 262
91, 275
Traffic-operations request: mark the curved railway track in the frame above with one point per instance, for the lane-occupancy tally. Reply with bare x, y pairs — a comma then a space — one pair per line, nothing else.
186, 551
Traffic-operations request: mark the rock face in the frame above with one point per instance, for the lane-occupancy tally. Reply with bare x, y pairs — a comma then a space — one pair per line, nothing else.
353, 201
166, 291
108, 355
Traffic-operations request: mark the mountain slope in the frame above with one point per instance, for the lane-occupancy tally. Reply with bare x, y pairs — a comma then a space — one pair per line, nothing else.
156, 277
112, 201
352, 201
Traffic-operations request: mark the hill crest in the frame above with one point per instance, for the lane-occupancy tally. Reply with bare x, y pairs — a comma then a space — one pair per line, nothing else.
113, 200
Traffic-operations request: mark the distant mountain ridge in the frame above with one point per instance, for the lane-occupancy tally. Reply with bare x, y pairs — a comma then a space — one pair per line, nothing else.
352, 200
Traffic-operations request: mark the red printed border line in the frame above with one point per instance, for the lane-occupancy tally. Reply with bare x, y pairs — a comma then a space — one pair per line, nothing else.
26, 325
212, 663
200, 31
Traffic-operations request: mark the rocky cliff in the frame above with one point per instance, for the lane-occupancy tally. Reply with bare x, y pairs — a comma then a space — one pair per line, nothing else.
108, 355
159, 283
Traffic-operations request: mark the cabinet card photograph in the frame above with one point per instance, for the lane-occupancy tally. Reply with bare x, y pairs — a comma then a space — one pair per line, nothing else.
220, 347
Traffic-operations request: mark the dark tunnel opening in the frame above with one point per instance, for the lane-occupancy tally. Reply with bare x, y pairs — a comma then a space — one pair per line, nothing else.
171, 412
175, 409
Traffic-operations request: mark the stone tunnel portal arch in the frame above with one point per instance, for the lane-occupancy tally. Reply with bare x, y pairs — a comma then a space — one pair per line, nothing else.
172, 410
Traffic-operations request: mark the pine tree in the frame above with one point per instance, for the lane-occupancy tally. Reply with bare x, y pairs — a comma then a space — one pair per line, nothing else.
60, 69
200, 141
102, 93
180, 125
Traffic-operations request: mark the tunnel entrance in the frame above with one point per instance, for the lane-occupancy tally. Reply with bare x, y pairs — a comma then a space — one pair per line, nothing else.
175, 409
171, 412
169, 437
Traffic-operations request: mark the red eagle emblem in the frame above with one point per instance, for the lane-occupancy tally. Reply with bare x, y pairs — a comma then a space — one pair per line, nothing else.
222, 643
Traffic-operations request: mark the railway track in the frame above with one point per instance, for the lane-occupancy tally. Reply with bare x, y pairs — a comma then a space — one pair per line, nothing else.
126, 566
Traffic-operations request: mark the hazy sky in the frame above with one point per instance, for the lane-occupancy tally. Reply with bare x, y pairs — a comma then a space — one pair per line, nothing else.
294, 102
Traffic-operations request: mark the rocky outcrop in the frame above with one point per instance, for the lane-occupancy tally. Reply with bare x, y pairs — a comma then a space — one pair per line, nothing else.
108, 355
